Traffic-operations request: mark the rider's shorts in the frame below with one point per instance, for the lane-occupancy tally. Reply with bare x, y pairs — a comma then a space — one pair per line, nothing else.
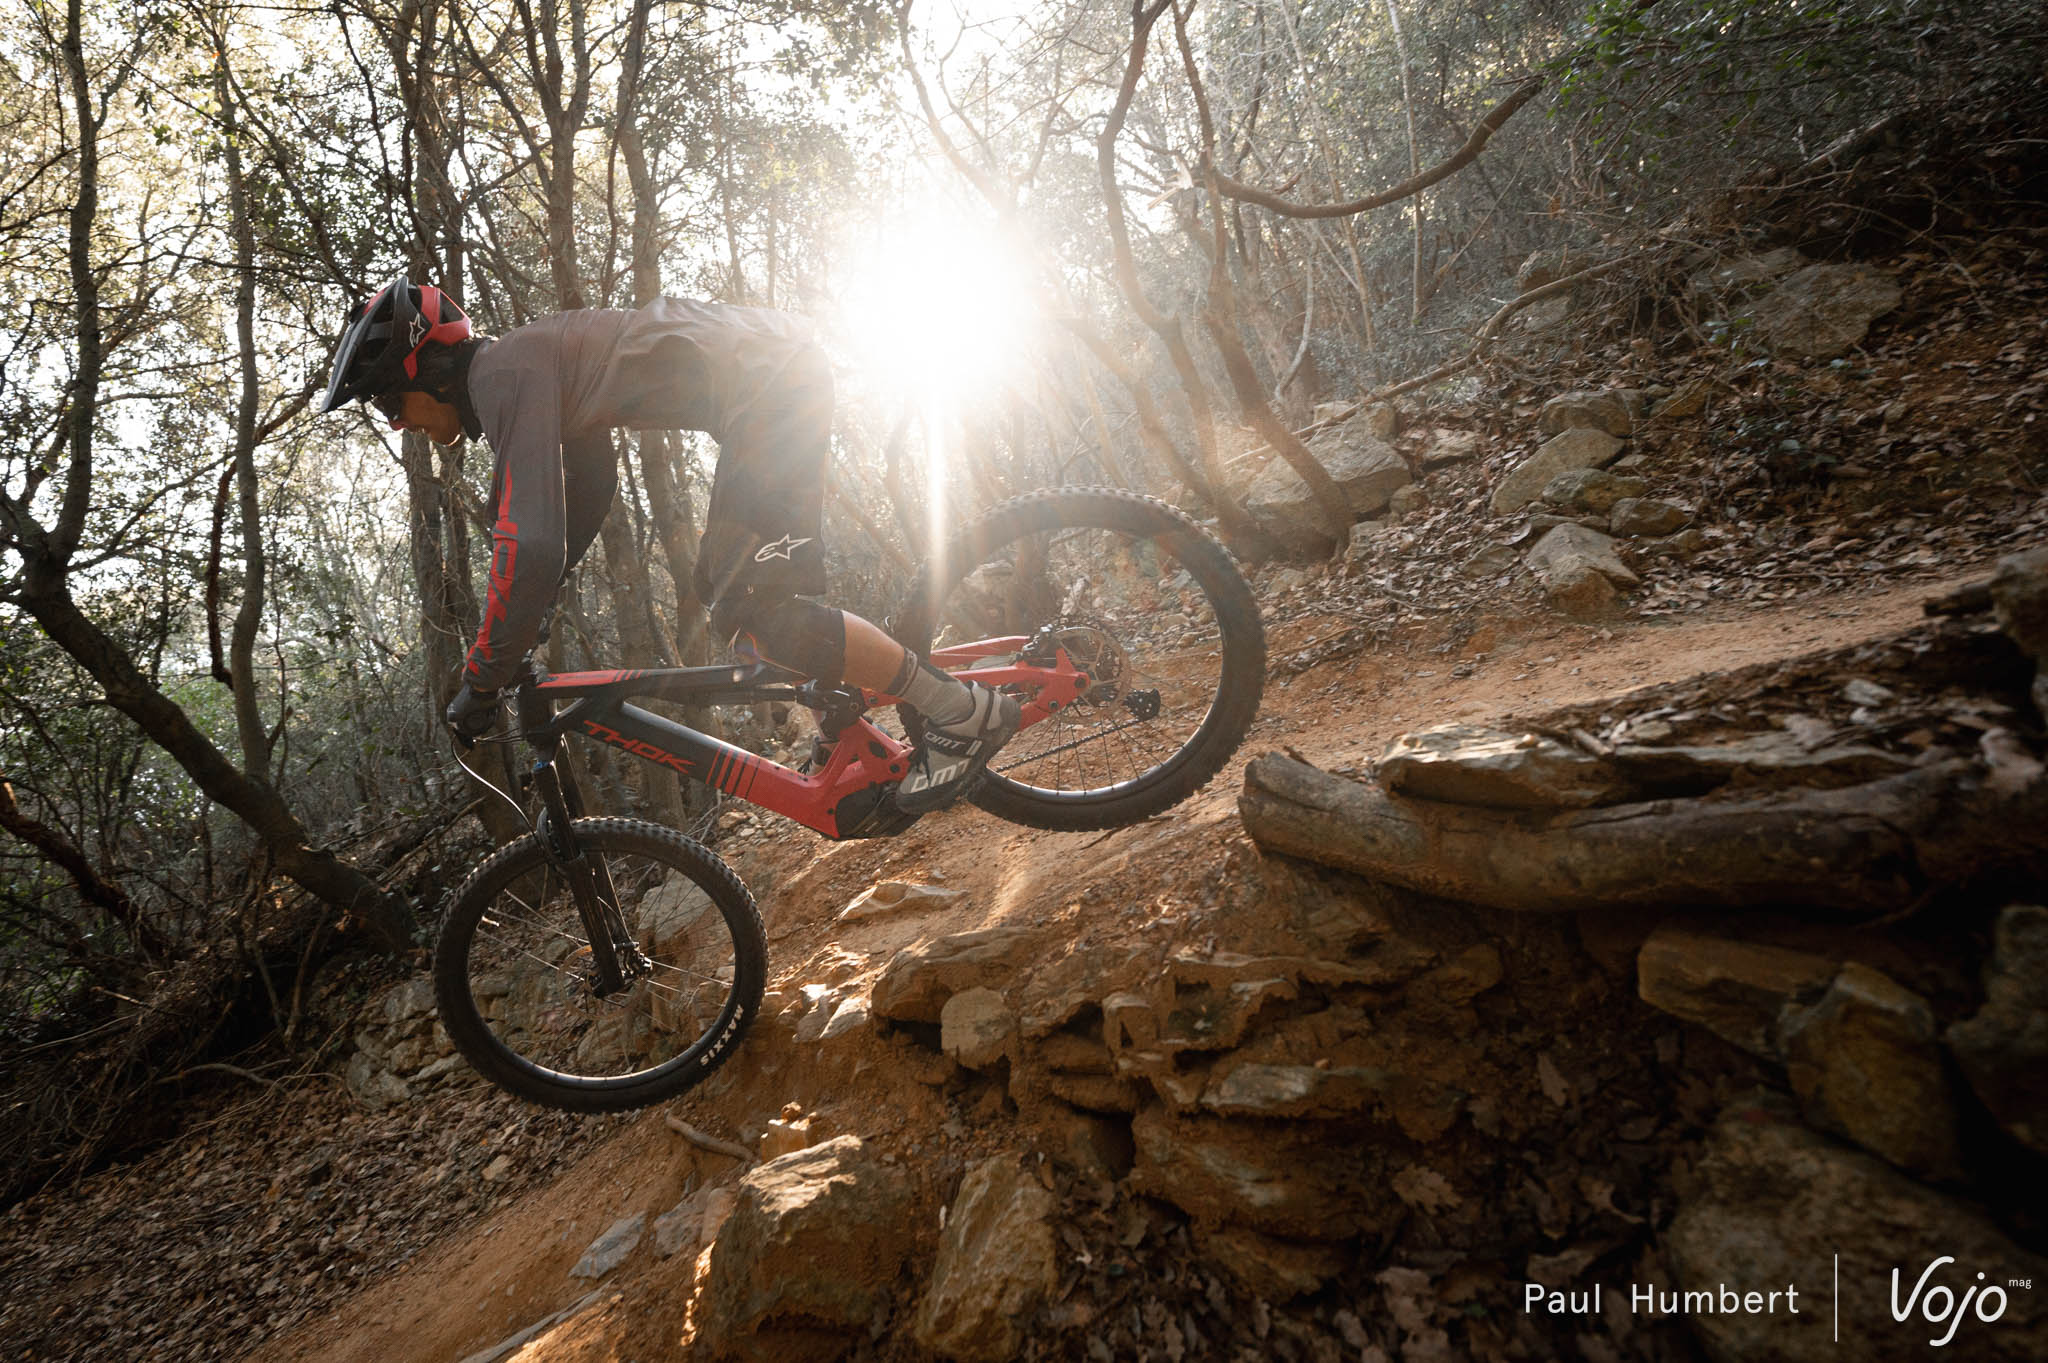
764, 530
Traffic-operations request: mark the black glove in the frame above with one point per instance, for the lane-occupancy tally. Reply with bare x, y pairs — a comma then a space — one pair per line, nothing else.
472, 713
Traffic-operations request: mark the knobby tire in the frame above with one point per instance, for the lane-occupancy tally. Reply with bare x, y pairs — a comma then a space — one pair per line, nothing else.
1207, 562
463, 1015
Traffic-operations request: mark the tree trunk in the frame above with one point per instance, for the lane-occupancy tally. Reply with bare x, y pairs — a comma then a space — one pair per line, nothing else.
1863, 850
69, 858
43, 589
1220, 317
255, 739
668, 498
384, 919
1246, 536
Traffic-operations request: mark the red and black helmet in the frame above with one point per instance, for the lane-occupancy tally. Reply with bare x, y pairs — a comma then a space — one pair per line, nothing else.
380, 347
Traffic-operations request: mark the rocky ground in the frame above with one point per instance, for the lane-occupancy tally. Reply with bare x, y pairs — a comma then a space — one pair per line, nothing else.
1165, 1092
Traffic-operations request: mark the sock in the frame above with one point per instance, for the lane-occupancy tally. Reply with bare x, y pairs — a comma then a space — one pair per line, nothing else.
931, 692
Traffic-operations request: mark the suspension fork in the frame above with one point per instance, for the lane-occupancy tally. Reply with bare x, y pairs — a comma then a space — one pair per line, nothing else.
590, 880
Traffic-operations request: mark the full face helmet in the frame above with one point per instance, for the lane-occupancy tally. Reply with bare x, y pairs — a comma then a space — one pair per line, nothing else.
380, 347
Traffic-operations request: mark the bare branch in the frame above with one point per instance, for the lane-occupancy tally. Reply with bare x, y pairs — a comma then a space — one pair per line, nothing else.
1415, 184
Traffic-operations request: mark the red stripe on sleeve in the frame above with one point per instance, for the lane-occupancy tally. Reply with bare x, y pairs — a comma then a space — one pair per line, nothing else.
504, 562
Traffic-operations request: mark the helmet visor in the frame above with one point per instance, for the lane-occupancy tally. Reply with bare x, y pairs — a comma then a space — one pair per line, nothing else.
365, 341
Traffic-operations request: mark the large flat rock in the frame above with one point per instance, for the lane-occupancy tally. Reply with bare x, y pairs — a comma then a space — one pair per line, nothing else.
1771, 1203
2003, 1050
1364, 467
808, 1257
1472, 764
1580, 448
1285, 1179
997, 1264
1824, 310
1736, 990
1865, 1063
918, 980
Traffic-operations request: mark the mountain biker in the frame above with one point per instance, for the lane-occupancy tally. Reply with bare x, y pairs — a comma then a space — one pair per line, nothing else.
547, 396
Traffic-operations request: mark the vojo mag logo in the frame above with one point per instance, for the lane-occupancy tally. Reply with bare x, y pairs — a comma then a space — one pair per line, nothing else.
1932, 1301
1943, 1311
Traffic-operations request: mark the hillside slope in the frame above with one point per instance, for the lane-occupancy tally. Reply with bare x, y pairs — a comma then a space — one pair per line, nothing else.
1146, 889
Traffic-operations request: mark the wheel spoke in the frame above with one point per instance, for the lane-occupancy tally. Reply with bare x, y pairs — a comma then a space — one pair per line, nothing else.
1144, 604
527, 968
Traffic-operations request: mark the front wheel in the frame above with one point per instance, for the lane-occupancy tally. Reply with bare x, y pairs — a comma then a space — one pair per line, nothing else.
519, 992
1139, 597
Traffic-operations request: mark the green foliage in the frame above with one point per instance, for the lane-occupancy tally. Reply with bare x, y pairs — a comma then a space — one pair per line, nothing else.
1689, 93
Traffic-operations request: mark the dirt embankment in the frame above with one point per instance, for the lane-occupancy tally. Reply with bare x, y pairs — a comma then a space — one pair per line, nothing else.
1140, 889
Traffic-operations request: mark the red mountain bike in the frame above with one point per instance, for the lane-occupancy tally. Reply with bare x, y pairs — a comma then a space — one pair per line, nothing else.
607, 963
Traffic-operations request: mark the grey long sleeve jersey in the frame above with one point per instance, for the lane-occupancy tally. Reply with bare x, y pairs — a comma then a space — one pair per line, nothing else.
549, 395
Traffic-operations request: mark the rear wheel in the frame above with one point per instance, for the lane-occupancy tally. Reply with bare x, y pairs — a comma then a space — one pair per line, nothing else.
1139, 597
518, 989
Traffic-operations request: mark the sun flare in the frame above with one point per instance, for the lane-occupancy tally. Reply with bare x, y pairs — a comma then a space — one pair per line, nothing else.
941, 308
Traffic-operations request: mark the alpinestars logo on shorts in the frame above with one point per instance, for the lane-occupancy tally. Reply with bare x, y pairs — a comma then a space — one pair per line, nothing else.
780, 549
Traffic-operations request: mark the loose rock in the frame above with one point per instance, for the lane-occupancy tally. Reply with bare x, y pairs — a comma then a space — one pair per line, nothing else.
1736, 990
1577, 449
1684, 544
1614, 410
918, 980
1579, 570
2003, 1050
807, 1259
1645, 517
1364, 535
976, 1027
2019, 599
1864, 1062
898, 896
851, 1015
1824, 310
1450, 447
1772, 1203
997, 1264
677, 1229
375, 1086
786, 1134
669, 912
1363, 466
410, 1001
1591, 490
1281, 1179
1567, 547
1746, 273
609, 1250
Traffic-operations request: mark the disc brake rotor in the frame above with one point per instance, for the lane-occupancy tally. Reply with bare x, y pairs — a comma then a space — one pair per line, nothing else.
1090, 648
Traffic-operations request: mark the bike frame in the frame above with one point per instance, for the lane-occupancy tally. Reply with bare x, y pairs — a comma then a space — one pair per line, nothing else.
847, 798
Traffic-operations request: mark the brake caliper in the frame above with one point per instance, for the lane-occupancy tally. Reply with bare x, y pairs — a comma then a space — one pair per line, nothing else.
1090, 648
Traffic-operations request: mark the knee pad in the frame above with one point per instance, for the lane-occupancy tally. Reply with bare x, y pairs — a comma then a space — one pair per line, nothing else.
800, 635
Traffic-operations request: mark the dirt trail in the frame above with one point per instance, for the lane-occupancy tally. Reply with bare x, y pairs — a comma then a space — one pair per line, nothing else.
478, 1288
